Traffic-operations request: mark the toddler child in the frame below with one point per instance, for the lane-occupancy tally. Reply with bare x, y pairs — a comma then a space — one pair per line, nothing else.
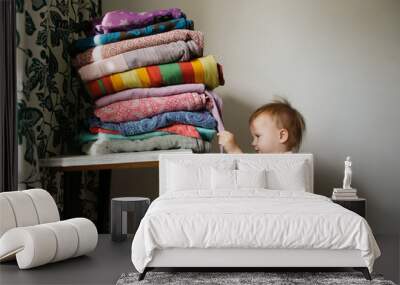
275, 127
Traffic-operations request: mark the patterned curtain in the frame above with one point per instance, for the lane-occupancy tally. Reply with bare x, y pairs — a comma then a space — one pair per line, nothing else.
51, 101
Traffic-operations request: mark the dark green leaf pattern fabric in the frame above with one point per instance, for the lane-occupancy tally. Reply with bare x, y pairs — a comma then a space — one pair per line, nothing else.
51, 100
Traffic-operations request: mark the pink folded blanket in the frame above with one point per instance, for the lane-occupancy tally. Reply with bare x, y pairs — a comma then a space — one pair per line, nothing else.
167, 53
137, 93
109, 50
178, 129
136, 109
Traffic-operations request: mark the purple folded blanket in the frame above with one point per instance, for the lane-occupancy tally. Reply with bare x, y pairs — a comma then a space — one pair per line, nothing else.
116, 21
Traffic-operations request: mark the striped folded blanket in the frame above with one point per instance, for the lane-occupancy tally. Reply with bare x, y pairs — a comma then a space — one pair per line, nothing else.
201, 70
155, 143
136, 109
109, 50
167, 53
103, 39
199, 119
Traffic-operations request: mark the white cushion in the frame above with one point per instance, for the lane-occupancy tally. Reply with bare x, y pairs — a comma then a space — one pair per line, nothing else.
31, 232
280, 168
40, 244
223, 179
26, 208
87, 233
236, 179
293, 178
45, 206
31, 246
7, 218
190, 174
289, 174
251, 178
66, 237
23, 208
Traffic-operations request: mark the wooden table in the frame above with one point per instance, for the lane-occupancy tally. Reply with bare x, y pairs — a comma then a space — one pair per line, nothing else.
72, 166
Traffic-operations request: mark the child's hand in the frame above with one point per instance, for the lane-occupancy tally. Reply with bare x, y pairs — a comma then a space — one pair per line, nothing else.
227, 140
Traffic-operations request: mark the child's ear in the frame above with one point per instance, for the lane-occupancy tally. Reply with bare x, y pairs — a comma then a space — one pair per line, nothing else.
283, 135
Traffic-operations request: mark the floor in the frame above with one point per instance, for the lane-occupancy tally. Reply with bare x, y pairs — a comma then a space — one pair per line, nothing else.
110, 260
102, 266
389, 262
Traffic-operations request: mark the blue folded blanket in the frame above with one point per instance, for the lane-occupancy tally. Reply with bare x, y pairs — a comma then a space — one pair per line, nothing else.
200, 119
103, 39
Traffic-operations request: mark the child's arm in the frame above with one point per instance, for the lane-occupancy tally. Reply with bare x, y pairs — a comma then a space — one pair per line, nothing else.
227, 140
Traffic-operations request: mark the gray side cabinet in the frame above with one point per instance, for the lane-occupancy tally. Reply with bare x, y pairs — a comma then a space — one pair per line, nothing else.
357, 205
119, 208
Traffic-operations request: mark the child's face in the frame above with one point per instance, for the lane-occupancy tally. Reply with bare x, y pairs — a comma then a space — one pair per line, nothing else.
267, 137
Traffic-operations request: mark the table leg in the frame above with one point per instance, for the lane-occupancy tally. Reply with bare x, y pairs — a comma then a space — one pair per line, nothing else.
118, 221
103, 208
72, 187
140, 210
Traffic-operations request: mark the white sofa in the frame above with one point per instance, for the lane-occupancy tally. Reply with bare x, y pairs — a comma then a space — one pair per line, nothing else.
31, 231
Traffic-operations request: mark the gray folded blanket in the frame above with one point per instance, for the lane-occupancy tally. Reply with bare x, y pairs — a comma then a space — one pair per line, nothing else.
102, 146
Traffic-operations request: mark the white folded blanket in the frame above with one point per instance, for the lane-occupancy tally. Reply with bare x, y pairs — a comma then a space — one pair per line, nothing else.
250, 219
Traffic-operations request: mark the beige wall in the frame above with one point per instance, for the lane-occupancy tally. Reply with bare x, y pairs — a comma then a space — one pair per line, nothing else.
337, 61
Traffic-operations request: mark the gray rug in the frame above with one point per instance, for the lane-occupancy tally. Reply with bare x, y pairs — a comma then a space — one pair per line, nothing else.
229, 278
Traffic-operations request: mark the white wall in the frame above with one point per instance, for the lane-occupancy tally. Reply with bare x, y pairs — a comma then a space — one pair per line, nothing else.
337, 61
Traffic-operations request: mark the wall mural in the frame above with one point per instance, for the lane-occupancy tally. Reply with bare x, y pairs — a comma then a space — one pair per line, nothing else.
51, 100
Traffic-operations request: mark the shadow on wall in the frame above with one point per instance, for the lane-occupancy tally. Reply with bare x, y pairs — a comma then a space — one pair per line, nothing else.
236, 121
325, 176
135, 183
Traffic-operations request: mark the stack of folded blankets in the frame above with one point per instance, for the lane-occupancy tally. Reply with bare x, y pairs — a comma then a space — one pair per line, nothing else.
151, 84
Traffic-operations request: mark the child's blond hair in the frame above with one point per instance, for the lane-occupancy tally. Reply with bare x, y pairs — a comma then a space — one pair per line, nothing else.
285, 117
